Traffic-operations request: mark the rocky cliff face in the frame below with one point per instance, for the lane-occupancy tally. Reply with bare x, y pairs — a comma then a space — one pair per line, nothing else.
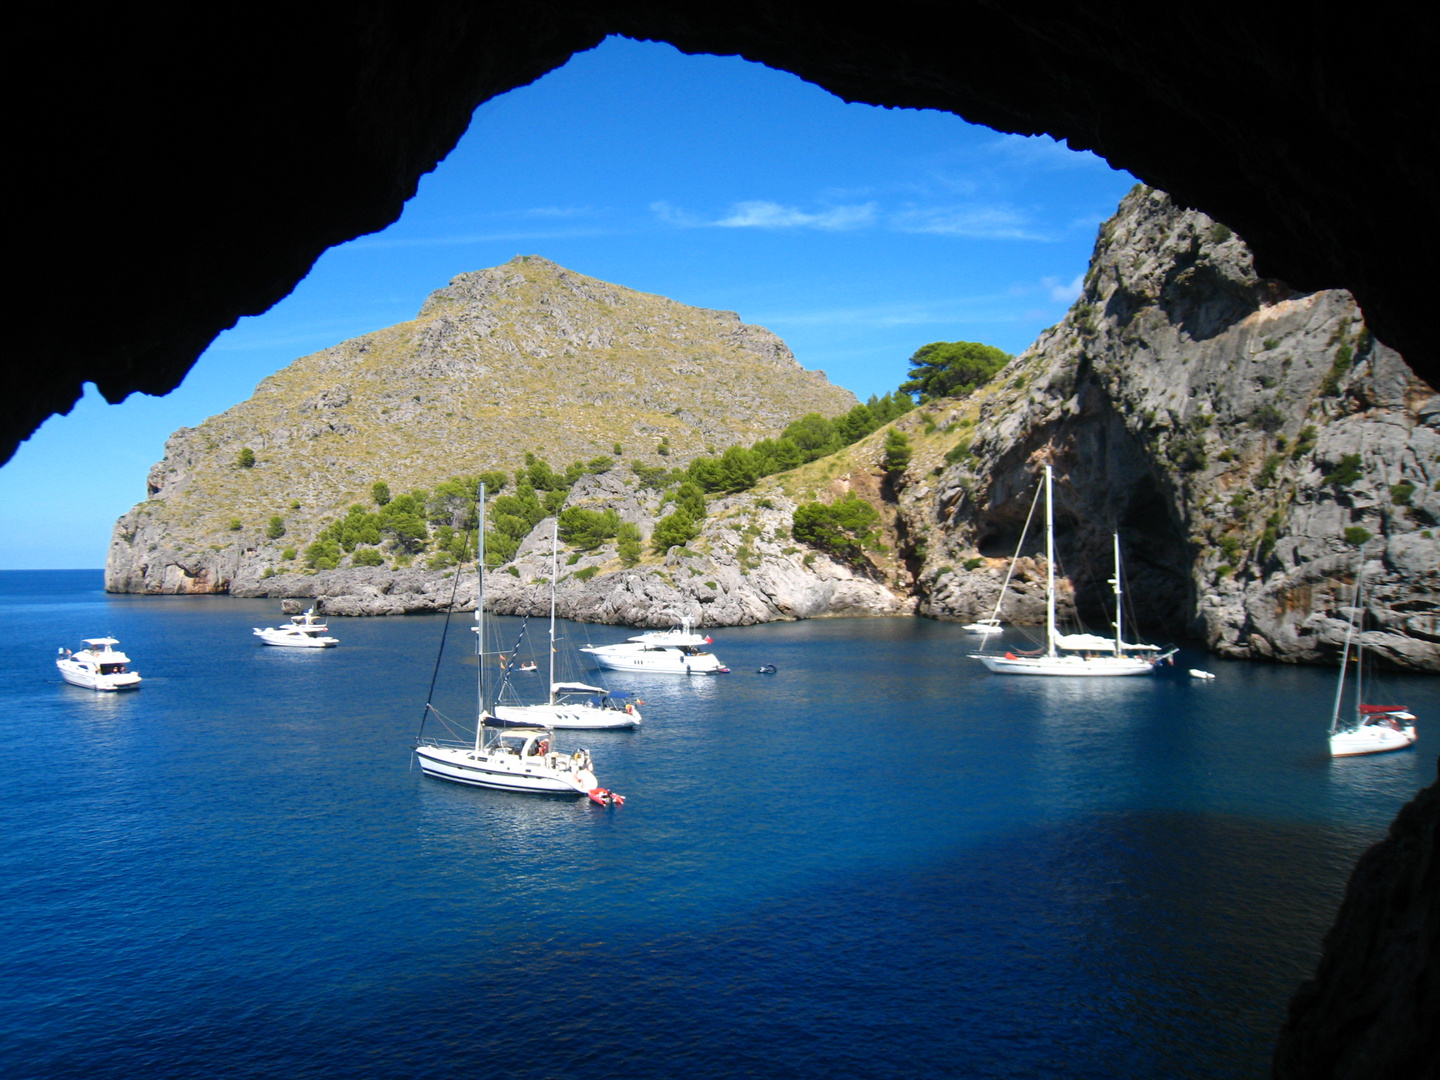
524, 356
742, 569
1253, 447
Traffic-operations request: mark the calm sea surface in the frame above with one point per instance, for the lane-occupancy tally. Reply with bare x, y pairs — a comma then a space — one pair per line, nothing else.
881, 862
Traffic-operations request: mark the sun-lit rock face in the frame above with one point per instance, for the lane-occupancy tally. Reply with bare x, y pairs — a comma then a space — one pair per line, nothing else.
1253, 445
527, 356
219, 167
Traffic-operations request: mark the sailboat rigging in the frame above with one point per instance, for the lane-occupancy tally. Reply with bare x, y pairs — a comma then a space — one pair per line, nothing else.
1075, 654
571, 705
505, 756
1374, 729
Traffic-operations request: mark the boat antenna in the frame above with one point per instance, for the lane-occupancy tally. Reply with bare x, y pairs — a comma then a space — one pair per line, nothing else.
480, 616
1049, 560
554, 572
1345, 656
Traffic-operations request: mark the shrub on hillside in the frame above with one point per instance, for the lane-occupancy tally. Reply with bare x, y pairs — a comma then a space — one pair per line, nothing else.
674, 530
947, 368
897, 451
844, 528
587, 529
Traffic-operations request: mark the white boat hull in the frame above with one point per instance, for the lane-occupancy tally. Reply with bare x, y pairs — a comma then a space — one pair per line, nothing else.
569, 717
982, 628
551, 774
663, 661
1371, 739
1089, 667
77, 675
293, 639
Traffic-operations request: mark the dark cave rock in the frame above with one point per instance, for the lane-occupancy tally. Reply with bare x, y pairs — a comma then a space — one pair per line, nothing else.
189, 173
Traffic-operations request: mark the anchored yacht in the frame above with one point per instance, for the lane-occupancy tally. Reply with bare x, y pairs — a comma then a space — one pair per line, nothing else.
676, 652
303, 632
98, 666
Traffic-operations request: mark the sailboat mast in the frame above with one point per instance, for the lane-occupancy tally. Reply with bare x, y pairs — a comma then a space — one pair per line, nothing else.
480, 618
1345, 660
1115, 581
554, 572
1049, 561
1360, 640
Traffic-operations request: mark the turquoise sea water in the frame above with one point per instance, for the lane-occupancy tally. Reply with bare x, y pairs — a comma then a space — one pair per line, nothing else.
882, 861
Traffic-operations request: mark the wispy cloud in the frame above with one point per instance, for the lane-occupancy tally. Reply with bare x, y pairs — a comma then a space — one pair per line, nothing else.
1064, 292
560, 212
761, 214
458, 240
975, 222
673, 215
765, 214
1043, 152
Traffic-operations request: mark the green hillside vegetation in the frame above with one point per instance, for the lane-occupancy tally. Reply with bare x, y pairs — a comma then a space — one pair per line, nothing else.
527, 354
945, 369
440, 524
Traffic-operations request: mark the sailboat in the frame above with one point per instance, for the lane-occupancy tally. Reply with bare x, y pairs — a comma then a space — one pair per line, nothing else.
1374, 729
510, 757
1075, 654
572, 705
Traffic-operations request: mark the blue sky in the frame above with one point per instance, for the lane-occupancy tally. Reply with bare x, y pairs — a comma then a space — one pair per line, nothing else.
856, 233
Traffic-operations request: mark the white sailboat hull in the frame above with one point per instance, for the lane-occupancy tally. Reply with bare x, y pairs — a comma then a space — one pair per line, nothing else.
1110, 666
1371, 739
569, 717
548, 775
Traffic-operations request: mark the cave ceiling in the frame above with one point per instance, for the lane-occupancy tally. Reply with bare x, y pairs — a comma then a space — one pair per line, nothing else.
179, 173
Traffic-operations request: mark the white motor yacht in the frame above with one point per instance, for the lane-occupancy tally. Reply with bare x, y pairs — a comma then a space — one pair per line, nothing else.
675, 652
984, 626
98, 666
303, 632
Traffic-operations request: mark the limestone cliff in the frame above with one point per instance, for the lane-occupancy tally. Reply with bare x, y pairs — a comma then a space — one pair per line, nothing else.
1250, 444
524, 356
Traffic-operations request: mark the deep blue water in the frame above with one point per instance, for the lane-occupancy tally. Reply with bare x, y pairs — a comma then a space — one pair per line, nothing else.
881, 862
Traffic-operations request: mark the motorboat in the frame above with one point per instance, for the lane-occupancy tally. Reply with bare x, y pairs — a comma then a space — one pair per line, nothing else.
1373, 729
503, 755
571, 705
98, 666
984, 626
676, 651
1082, 654
305, 631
